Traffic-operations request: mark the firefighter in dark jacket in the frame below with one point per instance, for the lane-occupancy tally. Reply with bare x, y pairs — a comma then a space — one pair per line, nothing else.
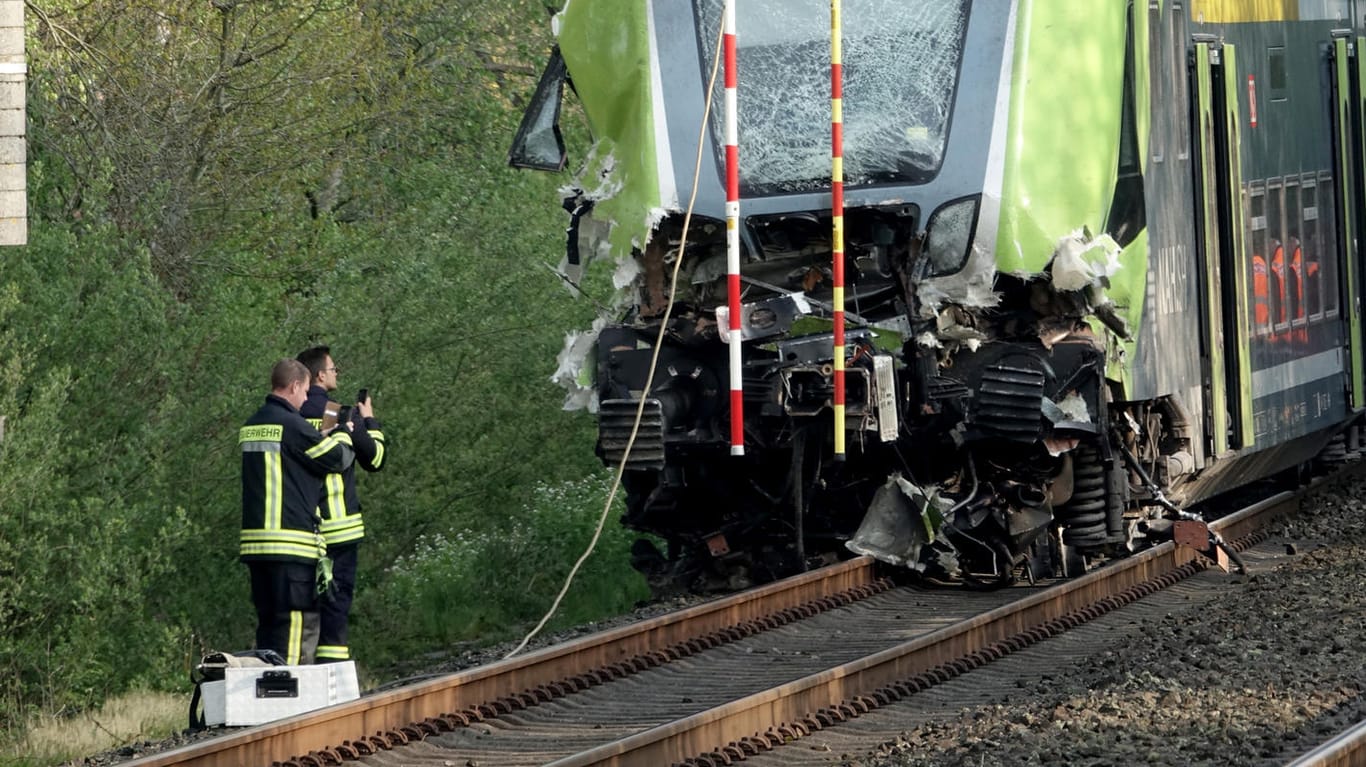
284, 463
339, 505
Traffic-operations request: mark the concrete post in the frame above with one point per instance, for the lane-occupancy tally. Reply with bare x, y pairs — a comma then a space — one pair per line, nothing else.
13, 178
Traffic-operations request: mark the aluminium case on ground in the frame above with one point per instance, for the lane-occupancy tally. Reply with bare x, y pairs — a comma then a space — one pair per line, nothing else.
246, 697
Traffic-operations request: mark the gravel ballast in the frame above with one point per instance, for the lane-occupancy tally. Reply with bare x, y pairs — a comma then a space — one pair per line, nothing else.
1255, 678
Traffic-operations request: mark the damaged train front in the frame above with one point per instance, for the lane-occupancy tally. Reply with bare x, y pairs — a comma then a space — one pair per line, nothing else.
974, 398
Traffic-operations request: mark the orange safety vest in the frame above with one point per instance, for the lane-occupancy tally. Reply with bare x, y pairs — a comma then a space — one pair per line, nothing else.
1261, 311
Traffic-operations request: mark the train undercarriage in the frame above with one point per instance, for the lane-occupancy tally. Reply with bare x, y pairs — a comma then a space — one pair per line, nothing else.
987, 447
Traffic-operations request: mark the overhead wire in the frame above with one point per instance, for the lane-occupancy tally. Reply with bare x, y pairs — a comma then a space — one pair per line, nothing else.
654, 357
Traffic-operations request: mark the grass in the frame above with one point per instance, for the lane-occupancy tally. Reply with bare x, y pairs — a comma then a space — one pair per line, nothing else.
138, 716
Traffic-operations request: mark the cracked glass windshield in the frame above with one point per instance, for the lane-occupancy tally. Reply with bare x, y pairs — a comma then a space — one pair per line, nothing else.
900, 71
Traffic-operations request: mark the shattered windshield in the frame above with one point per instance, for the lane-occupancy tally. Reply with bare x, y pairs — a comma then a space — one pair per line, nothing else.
900, 72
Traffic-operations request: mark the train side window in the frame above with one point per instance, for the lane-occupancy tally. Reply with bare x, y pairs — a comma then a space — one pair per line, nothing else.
1328, 237
1276, 78
1159, 64
1276, 257
1310, 245
1256, 243
1294, 257
1176, 18
1127, 207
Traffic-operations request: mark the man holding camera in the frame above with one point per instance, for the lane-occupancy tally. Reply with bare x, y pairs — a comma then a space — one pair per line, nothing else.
284, 463
339, 505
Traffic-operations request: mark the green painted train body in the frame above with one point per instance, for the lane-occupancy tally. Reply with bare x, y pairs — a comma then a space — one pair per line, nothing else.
1102, 262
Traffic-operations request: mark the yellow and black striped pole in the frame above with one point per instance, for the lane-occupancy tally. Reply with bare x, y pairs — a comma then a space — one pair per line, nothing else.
837, 213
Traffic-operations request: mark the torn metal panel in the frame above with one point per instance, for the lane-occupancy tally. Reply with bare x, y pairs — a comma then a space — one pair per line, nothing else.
574, 368
764, 319
973, 286
1080, 260
1074, 409
607, 47
902, 519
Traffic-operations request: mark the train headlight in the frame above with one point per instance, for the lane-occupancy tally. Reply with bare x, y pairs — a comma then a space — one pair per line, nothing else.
949, 235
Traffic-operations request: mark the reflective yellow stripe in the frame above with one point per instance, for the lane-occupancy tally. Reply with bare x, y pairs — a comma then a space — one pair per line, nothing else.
344, 539
336, 497
275, 501
296, 638
379, 448
329, 442
344, 523
334, 652
301, 537
351, 529
286, 543
340, 538
309, 552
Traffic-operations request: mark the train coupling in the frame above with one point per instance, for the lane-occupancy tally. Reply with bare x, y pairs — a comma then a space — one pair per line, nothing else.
1195, 534
1189, 529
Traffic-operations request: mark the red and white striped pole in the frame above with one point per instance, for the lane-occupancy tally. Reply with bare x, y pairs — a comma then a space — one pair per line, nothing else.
737, 403
837, 213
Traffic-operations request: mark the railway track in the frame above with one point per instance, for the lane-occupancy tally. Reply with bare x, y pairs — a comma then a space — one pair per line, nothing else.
1346, 750
714, 683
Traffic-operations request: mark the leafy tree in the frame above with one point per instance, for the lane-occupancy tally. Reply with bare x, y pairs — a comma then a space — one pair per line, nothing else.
217, 185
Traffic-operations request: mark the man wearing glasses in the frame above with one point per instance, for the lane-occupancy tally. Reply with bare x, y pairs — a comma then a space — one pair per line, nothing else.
339, 506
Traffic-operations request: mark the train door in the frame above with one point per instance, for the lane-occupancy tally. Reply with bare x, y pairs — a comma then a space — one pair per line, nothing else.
1223, 286
1348, 152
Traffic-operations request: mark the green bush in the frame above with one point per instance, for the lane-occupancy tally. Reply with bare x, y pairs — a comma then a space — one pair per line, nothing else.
498, 581
171, 262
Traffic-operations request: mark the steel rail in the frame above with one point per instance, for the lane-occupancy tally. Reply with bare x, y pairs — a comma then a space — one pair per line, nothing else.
754, 718
1347, 749
331, 726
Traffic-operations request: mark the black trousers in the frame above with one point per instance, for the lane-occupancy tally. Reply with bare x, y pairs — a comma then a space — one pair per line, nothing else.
286, 599
335, 610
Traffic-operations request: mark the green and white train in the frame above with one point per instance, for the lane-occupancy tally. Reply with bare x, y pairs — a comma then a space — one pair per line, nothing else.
1102, 262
